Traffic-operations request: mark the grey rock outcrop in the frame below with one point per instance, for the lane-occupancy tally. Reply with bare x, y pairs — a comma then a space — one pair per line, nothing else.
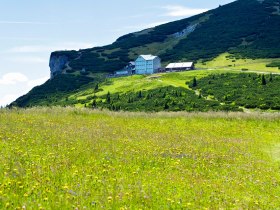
186, 31
57, 64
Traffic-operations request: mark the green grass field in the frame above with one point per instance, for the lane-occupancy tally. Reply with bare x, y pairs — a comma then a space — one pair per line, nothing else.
224, 61
55, 158
145, 82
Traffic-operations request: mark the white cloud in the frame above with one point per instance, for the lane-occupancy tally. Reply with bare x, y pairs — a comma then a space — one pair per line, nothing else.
7, 99
16, 81
13, 78
180, 11
50, 48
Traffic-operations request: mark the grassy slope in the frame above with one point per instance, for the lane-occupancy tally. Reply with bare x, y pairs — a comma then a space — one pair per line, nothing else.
65, 159
177, 79
142, 82
48, 94
223, 62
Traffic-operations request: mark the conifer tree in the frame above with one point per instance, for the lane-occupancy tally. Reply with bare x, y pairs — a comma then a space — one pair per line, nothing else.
108, 98
270, 78
96, 87
263, 80
194, 82
140, 94
94, 104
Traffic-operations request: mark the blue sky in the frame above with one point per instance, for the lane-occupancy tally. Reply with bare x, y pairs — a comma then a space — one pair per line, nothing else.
32, 29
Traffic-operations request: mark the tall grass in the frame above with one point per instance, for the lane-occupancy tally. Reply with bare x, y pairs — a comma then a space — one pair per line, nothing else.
55, 158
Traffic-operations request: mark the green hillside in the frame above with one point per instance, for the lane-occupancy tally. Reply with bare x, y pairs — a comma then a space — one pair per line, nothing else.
213, 90
245, 28
80, 159
241, 36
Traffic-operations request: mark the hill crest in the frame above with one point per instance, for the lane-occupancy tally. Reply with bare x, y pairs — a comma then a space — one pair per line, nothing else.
242, 30
246, 28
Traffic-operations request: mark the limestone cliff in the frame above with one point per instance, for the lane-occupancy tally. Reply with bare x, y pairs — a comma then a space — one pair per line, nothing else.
57, 64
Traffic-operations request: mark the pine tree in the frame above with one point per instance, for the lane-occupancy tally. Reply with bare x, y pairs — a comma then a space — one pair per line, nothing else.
108, 98
270, 78
94, 104
263, 80
140, 94
96, 87
194, 82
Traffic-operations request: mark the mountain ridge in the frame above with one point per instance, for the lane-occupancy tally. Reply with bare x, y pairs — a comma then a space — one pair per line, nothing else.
246, 29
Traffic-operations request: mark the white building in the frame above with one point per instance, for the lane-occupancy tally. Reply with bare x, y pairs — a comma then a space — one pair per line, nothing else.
180, 66
147, 64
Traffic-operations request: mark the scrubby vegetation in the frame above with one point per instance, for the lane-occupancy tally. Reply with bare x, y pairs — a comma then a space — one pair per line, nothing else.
160, 99
247, 90
274, 64
79, 159
95, 63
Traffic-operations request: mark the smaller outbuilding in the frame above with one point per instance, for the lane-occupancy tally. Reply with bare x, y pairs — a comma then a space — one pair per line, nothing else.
128, 70
180, 66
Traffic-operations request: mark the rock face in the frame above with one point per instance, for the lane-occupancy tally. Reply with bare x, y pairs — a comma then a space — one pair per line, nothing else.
57, 64
186, 31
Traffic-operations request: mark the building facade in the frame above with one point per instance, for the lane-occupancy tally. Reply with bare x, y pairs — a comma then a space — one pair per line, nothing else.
147, 64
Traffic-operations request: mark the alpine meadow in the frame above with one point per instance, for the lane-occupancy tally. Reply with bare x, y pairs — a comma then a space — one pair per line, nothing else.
181, 115
57, 158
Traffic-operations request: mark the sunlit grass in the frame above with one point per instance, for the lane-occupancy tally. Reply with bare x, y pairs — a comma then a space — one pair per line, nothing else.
223, 62
145, 82
55, 158
135, 83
